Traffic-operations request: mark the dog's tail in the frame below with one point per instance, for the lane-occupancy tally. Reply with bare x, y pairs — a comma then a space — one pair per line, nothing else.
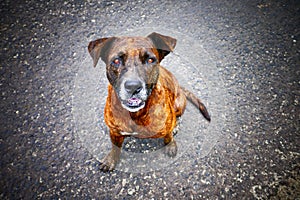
197, 102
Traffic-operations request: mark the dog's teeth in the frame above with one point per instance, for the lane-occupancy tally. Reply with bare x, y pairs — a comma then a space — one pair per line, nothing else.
134, 101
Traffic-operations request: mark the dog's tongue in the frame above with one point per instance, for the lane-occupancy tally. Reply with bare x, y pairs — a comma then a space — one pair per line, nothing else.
134, 101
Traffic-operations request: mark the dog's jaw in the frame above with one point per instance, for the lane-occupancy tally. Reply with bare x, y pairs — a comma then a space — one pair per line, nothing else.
133, 109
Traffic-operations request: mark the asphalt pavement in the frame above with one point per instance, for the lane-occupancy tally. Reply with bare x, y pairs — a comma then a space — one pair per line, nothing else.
241, 57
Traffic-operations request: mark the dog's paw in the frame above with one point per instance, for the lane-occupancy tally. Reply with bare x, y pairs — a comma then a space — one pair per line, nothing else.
109, 162
171, 149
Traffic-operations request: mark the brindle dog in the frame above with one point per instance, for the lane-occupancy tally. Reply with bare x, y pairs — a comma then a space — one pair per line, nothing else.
144, 99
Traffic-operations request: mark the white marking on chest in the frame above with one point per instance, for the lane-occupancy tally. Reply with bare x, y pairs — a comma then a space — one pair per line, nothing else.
129, 134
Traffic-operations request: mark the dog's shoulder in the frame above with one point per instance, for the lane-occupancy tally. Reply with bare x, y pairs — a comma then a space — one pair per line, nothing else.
168, 80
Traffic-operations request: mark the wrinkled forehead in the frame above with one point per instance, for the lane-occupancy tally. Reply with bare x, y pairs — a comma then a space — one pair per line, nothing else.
134, 42
132, 45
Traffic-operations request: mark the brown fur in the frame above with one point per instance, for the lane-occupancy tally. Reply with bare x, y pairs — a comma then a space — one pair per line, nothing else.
157, 118
167, 101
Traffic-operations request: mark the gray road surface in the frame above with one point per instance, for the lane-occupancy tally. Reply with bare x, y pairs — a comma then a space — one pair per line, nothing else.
244, 56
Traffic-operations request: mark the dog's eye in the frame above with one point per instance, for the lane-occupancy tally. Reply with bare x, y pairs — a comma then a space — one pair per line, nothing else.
117, 62
150, 60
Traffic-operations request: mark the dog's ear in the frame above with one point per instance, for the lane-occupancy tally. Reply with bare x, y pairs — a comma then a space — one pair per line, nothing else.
100, 48
164, 44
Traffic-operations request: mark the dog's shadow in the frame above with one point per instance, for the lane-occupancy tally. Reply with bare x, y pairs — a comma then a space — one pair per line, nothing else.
141, 155
148, 145
136, 145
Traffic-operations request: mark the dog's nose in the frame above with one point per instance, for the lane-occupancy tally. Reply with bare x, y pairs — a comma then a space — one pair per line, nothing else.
133, 86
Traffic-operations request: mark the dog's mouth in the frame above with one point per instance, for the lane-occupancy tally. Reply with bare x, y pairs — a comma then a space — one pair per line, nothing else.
133, 104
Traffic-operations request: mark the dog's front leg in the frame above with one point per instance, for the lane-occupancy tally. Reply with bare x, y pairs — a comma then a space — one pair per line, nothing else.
112, 158
171, 146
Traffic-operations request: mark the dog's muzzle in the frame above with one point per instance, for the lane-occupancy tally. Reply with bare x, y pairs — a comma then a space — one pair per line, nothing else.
133, 95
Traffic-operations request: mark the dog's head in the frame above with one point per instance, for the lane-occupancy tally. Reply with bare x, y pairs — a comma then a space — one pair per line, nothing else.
132, 65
